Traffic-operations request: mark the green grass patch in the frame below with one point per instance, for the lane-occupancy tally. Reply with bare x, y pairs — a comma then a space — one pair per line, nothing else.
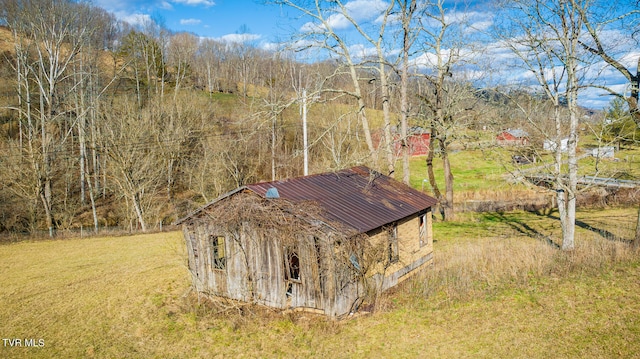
473, 170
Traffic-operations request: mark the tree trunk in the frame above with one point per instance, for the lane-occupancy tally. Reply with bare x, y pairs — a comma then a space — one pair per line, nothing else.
448, 184
568, 242
408, 10
273, 147
569, 225
94, 211
362, 114
431, 174
138, 208
636, 240
386, 115
45, 197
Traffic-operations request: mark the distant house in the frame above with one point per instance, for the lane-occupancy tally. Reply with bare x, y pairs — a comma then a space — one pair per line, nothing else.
516, 137
417, 140
318, 243
603, 152
550, 145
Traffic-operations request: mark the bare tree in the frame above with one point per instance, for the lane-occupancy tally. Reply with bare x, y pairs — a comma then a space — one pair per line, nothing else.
546, 41
444, 44
376, 56
409, 35
209, 65
49, 38
127, 137
181, 55
626, 15
321, 33
145, 58
91, 83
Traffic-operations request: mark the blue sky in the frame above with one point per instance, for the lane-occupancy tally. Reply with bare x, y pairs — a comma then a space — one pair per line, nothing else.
219, 19
266, 25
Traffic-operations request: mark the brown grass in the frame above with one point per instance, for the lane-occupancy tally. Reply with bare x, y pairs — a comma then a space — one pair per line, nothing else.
481, 269
6, 40
492, 292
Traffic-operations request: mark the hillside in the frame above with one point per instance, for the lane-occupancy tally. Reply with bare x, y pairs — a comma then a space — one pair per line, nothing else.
6, 40
138, 129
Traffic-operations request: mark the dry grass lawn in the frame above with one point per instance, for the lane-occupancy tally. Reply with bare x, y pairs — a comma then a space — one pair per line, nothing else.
492, 292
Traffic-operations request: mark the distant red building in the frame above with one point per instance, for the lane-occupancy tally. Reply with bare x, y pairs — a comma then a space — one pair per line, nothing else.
418, 144
418, 141
511, 137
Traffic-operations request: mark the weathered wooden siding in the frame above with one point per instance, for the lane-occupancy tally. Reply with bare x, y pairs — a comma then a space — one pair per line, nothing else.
266, 267
412, 255
193, 256
255, 270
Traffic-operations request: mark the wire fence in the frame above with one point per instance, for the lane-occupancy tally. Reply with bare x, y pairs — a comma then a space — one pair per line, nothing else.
82, 232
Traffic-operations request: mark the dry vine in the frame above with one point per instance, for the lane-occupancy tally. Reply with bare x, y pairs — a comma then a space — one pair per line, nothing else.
350, 255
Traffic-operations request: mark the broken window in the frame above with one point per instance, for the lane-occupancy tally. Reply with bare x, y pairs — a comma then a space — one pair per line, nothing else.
291, 268
218, 258
291, 264
423, 230
394, 253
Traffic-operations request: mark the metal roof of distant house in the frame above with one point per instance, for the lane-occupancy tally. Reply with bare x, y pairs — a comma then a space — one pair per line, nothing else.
517, 133
359, 198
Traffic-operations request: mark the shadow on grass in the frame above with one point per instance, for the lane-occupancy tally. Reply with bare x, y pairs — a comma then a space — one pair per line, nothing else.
521, 227
602, 232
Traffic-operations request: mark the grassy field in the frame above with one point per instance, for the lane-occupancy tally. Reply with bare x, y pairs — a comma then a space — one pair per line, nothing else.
496, 290
473, 170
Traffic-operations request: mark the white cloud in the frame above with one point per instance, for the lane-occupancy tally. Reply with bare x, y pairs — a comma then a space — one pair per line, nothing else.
481, 25
595, 98
190, 21
362, 51
311, 27
195, 2
365, 9
271, 46
128, 9
338, 22
630, 59
427, 59
239, 38
468, 22
430, 60
135, 19
509, 69
358, 10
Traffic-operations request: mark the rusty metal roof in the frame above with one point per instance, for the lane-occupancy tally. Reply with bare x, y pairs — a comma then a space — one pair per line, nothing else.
358, 197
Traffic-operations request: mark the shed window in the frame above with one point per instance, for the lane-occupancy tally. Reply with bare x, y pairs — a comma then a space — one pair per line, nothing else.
423, 230
394, 253
291, 264
218, 257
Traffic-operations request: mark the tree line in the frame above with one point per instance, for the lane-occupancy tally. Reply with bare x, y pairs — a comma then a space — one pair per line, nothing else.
112, 124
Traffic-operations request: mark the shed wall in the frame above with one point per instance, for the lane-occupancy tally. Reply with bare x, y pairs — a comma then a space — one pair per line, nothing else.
412, 254
255, 270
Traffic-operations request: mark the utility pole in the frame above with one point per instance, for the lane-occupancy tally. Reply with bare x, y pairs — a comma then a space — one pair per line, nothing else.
304, 132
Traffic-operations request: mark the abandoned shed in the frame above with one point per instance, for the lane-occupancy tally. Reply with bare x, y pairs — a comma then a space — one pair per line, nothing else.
322, 242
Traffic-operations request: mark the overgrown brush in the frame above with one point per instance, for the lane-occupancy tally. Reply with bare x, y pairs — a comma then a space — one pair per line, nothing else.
483, 269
